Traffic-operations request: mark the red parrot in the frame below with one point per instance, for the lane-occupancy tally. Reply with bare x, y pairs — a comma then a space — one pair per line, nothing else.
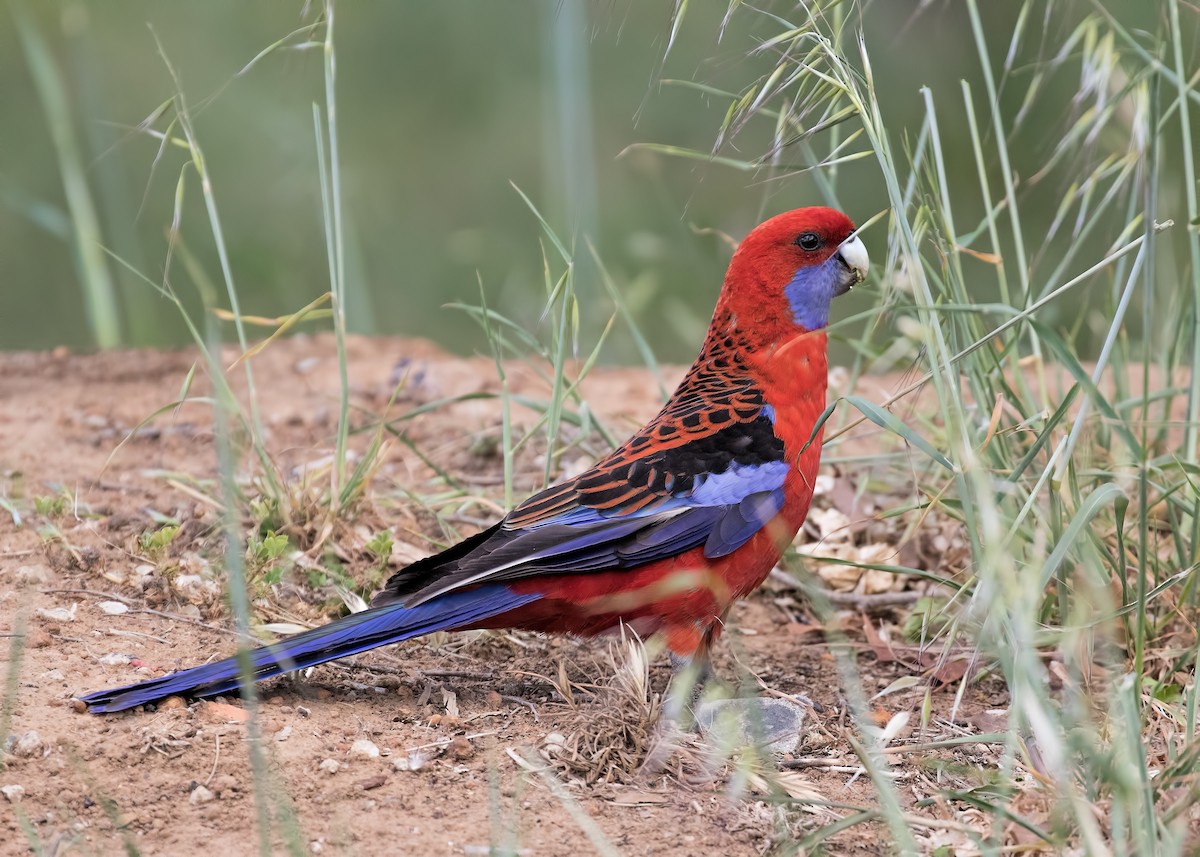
663, 535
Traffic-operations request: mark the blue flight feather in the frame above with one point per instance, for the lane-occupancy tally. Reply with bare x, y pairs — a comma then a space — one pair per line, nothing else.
347, 636
741, 522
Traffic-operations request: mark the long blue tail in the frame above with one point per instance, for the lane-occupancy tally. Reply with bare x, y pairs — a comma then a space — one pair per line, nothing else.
348, 636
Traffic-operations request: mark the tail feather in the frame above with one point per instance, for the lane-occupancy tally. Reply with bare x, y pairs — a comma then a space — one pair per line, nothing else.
348, 636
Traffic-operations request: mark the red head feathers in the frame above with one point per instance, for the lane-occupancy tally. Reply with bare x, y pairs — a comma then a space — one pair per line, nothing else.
787, 270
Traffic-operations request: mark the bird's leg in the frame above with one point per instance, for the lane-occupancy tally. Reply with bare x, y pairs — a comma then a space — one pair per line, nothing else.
772, 724
691, 669
688, 677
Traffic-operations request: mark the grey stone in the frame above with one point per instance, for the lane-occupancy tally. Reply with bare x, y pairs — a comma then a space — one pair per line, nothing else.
773, 724
26, 745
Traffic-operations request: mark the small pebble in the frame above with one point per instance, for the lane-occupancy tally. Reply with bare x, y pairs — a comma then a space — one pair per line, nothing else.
284, 733
13, 793
200, 795
372, 782
460, 748
59, 614
223, 712
115, 659
172, 702
330, 766
37, 575
494, 699
113, 608
553, 744
306, 365
26, 745
364, 749
188, 583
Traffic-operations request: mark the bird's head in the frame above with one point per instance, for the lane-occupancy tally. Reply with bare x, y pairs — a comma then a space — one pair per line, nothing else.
787, 270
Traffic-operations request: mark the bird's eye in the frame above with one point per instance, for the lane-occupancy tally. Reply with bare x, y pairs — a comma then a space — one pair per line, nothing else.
808, 241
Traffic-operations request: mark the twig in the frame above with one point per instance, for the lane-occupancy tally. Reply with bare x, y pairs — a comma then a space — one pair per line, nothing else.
456, 674
95, 592
445, 742
517, 700
351, 666
216, 758
177, 618
113, 632
836, 765
523, 763
412, 674
861, 601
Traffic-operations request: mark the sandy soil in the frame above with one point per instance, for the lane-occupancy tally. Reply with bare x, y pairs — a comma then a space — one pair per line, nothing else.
178, 780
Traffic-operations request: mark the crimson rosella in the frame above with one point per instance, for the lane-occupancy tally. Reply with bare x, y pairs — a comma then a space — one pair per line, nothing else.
664, 534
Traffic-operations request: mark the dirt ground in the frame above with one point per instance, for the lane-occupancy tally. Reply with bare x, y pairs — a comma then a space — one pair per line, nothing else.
460, 709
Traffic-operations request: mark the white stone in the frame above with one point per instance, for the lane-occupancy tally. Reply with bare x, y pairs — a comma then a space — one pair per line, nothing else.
364, 749
27, 744
38, 575
59, 614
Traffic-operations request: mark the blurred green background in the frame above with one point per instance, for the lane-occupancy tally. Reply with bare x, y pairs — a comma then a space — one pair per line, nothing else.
441, 106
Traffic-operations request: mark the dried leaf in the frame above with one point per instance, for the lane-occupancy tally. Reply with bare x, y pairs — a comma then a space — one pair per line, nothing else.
878, 642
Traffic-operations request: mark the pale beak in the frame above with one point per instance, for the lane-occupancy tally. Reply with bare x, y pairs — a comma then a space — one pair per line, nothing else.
853, 256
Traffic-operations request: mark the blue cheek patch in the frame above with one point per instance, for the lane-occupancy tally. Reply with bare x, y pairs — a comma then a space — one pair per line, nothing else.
810, 292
